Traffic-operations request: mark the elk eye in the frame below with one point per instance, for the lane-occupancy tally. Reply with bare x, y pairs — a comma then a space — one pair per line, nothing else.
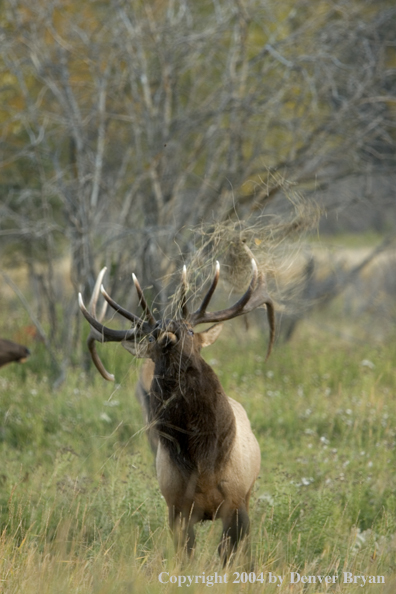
151, 338
190, 332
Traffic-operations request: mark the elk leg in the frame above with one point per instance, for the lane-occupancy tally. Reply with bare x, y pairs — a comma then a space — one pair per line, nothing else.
235, 528
183, 531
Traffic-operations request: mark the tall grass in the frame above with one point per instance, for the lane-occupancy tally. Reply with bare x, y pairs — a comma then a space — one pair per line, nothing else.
80, 509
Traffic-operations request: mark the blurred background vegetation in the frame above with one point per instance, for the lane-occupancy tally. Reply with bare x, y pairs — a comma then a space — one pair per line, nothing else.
147, 135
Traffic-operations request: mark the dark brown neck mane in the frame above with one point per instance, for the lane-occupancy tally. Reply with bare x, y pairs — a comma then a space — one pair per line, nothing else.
191, 413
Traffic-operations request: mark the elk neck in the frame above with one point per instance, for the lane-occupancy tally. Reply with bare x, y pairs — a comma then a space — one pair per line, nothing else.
191, 412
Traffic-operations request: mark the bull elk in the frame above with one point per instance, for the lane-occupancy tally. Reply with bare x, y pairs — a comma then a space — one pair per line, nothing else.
207, 458
12, 352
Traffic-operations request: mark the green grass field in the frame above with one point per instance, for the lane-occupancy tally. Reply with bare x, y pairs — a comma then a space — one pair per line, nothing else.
80, 509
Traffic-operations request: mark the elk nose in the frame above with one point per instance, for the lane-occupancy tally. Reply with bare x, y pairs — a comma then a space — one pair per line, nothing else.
166, 339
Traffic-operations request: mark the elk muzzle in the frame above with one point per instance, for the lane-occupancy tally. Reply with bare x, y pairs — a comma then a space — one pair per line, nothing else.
167, 339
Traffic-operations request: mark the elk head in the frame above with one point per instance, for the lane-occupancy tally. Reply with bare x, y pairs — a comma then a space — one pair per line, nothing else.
12, 352
149, 336
207, 457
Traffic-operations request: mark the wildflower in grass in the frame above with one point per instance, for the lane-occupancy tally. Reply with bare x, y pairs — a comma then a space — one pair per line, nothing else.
368, 364
266, 498
305, 482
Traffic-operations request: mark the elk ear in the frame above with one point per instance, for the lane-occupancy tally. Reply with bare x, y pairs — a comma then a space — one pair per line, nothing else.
208, 337
137, 348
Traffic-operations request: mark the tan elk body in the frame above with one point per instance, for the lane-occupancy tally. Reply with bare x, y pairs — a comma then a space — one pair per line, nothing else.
207, 457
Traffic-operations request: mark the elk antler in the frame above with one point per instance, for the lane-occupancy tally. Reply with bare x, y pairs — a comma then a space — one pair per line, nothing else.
143, 303
183, 296
100, 333
205, 302
94, 335
255, 296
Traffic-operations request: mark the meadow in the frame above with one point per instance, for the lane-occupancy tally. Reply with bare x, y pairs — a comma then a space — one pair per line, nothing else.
80, 509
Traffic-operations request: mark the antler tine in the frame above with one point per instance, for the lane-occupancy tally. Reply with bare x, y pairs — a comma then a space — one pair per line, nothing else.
271, 322
98, 332
205, 302
245, 298
93, 334
143, 303
267, 302
119, 309
255, 296
200, 316
102, 333
95, 294
91, 342
183, 300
